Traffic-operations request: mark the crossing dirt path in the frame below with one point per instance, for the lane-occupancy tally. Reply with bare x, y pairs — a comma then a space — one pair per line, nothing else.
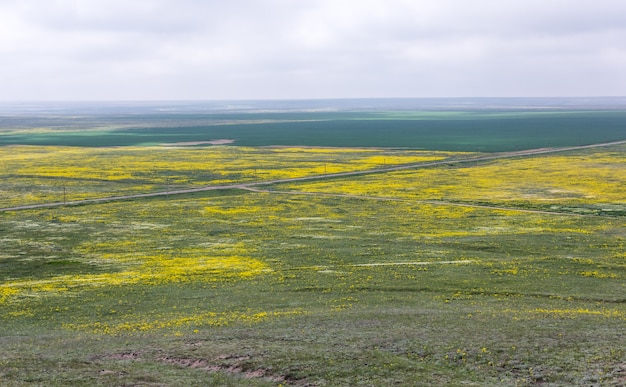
252, 185
433, 202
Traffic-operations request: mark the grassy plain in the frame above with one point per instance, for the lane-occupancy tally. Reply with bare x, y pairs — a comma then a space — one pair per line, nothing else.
510, 272
36, 174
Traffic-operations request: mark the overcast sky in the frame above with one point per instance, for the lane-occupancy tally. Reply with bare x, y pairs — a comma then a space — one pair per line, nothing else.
284, 49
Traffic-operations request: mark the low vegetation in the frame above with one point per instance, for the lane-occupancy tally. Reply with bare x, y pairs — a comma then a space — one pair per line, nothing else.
509, 272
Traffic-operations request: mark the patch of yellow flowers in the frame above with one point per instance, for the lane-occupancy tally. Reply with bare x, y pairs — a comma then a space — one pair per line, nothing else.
34, 174
560, 179
142, 324
154, 270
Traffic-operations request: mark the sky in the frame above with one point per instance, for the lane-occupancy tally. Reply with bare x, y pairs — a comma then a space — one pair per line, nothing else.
78, 50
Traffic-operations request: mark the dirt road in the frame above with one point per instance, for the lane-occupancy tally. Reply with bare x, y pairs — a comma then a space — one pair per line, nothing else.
489, 157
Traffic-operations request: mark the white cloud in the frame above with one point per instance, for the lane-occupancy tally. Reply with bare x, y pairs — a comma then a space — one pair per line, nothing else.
166, 49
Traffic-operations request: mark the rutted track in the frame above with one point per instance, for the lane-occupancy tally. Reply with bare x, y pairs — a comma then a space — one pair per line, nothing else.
496, 156
433, 202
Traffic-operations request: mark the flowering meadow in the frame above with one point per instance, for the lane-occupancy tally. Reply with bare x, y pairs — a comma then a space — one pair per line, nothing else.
37, 174
502, 272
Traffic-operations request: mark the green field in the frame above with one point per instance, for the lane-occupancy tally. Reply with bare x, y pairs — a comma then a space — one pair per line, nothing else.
484, 131
503, 272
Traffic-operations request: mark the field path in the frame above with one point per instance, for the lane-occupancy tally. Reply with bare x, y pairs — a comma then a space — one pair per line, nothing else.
408, 200
251, 185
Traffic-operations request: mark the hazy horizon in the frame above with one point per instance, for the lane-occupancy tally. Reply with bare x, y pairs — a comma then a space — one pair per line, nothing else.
312, 105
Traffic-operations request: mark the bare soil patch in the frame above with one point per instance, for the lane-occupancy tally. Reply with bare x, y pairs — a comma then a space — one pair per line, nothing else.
231, 364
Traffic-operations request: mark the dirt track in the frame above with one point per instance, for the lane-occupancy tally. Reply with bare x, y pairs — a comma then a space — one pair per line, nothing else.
433, 202
250, 186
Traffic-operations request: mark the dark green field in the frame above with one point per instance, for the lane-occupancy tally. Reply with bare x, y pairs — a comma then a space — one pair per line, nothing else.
477, 130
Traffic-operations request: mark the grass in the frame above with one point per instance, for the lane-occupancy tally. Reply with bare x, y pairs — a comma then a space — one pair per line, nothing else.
34, 174
374, 280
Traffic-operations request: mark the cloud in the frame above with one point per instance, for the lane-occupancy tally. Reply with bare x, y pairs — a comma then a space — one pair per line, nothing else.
193, 49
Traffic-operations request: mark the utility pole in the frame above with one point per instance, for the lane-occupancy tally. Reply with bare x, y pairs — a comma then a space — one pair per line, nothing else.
64, 194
